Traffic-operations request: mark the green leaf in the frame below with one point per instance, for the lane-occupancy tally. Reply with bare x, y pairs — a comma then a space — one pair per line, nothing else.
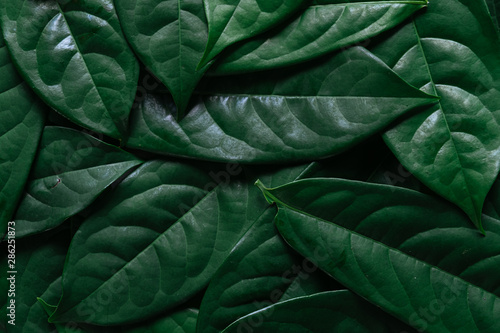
39, 263
408, 253
230, 21
282, 116
452, 147
71, 170
318, 30
75, 57
21, 122
170, 37
128, 263
338, 311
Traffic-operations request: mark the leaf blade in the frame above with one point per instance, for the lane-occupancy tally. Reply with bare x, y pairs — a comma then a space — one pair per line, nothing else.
22, 119
72, 169
76, 58
452, 147
281, 117
232, 21
179, 252
170, 37
328, 27
361, 246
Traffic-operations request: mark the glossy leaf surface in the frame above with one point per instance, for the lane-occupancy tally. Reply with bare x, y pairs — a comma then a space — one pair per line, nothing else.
190, 221
334, 311
230, 21
318, 30
21, 122
316, 111
378, 242
454, 146
170, 38
71, 170
74, 55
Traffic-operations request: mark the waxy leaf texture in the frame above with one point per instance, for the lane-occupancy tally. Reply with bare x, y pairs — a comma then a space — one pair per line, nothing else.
454, 146
283, 116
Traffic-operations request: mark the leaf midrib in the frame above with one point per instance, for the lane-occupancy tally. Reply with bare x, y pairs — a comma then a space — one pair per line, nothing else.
62, 13
208, 194
455, 150
395, 250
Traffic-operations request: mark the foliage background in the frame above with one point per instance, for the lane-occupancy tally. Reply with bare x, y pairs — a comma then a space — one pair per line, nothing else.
133, 135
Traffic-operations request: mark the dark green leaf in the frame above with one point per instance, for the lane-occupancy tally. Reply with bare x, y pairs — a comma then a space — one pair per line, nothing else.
318, 30
230, 21
169, 36
21, 123
75, 57
410, 254
453, 147
71, 170
338, 311
315, 111
128, 263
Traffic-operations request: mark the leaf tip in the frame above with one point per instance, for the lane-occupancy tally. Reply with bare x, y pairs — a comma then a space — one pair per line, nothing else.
476, 219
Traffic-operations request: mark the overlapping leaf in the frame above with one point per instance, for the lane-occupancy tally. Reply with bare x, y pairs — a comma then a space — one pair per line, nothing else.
377, 241
170, 37
453, 147
261, 269
314, 111
21, 122
189, 222
230, 21
320, 29
75, 57
71, 170
333, 311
